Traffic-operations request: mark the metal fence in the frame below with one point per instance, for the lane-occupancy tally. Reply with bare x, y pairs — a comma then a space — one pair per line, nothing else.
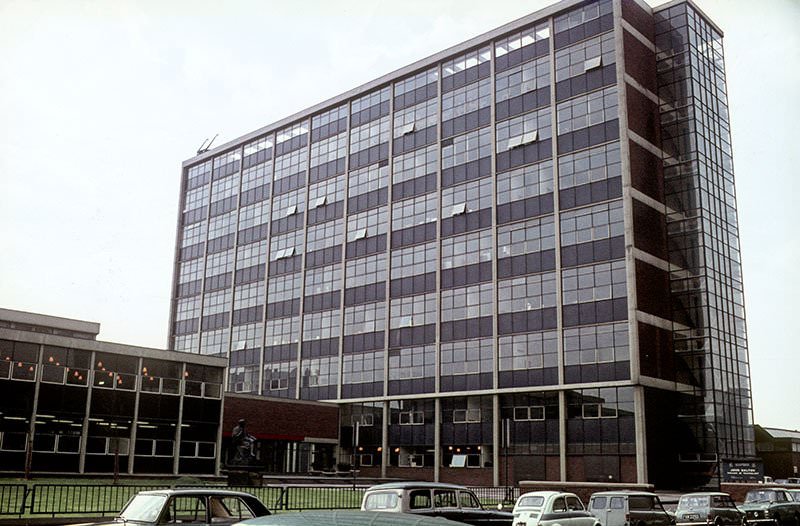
12, 497
107, 499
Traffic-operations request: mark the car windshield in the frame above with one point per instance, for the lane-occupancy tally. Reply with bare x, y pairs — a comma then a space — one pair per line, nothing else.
530, 502
381, 501
144, 508
760, 496
691, 502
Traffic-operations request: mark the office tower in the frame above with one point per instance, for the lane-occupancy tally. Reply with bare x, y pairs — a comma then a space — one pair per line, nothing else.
518, 255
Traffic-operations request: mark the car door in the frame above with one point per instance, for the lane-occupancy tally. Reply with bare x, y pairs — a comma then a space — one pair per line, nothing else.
577, 514
616, 511
598, 506
186, 509
472, 512
445, 504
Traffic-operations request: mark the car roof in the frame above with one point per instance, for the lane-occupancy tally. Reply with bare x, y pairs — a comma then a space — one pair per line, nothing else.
706, 493
624, 492
196, 491
416, 485
544, 493
348, 518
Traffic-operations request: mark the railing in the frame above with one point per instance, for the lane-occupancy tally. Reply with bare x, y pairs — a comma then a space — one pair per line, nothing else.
12, 498
106, 499
69, 499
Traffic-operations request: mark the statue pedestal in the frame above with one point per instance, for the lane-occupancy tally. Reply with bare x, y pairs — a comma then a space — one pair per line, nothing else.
244, 478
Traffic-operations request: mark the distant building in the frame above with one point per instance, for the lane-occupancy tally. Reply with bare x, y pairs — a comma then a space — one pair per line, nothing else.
519, 255
779, 449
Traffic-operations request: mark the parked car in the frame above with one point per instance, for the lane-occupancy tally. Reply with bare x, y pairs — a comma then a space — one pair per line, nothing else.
708, 508
551, 508
771, 506
629, 508
433, 499
195, 506
347, 518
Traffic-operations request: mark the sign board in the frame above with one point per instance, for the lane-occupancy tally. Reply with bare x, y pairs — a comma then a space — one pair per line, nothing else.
742, 471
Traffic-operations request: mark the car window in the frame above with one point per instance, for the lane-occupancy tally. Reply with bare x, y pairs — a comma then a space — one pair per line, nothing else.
617, 503
530, 502
227, 508
640, 502
144, 508
444, 498
186, 509
384, 501
573, 504
559, 505
693, 502
468, 500
598, 503
419, 499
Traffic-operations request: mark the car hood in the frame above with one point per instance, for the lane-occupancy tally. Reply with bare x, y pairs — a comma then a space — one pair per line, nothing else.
754, 506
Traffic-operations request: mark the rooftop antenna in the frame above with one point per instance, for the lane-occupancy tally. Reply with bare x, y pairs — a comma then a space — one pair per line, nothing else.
205, 147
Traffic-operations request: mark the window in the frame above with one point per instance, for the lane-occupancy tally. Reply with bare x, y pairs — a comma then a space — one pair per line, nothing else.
523, 79
466, 61
465, 249
525, 129
582, 15
445, 499
535, 235
412, 418
466, 99
419, 499
584, 56
522, 183
598, 282
465, 148
187, 509
415, 118
380, 501
471, 196
596, 344
414, 164
596, 164
467, 357
533, 292
519, 40
592, 223
587, 110
412, 362
464, 416
529, 413
523, 352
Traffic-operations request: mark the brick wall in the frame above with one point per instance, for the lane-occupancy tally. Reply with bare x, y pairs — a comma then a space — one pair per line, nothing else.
274, 418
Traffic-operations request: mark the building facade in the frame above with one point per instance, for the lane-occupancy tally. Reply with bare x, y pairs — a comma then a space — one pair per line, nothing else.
515, 259
779, 449
70, 404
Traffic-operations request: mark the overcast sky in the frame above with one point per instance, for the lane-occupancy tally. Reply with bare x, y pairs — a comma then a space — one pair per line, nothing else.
101, 101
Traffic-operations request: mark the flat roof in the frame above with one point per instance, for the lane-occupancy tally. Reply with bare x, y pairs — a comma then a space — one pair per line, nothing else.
45, 320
